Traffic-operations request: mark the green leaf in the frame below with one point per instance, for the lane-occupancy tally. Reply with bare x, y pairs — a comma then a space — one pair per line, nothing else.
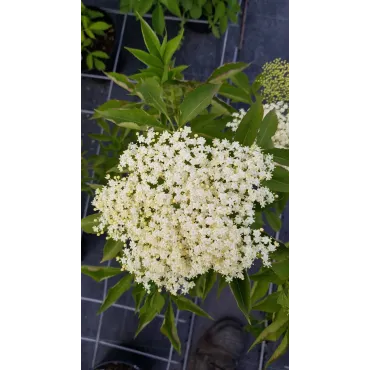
195, 12
115, 292
185, 304
272, 328
210, 127
220, 11
121, 80
273, 220
169, 328
279, 181
111, 249
100, 137
99, 273
280, 254
89, 61
172, 6
241, 80
93, 14
248, 128
220, 107
196, 101
138, 294
89, 222
267, 275
281, 269
222, 283
100, 54
236, 94
281, 156
259, 290
211, 278
104, 125
241, 290
283, 300
162, 48
158, 20
216, 32
268, 304
175, 72
144, 6
223, 23
187, 4
152, 306
126, 6
99, 65
150, 38
172, 46
132, 118
100, 26
151, 92
226, 71
148, 59
280, 350
267, 130
258, 221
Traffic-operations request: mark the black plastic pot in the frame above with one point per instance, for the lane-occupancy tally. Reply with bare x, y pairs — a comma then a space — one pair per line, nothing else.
198, 27
116, 365
107, 43
117, 359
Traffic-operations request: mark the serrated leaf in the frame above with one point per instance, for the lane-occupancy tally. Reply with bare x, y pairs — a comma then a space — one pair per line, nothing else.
150, 38
226, 71
220, 107
219, 11
132, 118
138, 294
115, 292
172, 6
172, 46
169, 328
268, 275
272, 328
211, 278
99, 273
144, 6
279, 181
235, 94
280, 350
281, 269
151, 92
158, 19
152, 306
241, 290
267, 130
248, 128
281, 156
222, 283
121, 80
148, 59
196, 101
111, 249
89, 222
273, 220
185, 304
210, 127
259, 290
100, 137
195, 12
268, 304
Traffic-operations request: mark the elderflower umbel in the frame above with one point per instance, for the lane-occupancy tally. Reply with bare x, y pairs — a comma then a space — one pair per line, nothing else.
186, 208
281, 136
275, 81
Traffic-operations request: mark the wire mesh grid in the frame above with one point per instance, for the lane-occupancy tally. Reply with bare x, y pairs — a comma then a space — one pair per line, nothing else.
97, 341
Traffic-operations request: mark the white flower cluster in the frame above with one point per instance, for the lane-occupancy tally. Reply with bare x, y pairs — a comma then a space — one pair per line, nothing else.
186, 208
238, 116
281, 137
